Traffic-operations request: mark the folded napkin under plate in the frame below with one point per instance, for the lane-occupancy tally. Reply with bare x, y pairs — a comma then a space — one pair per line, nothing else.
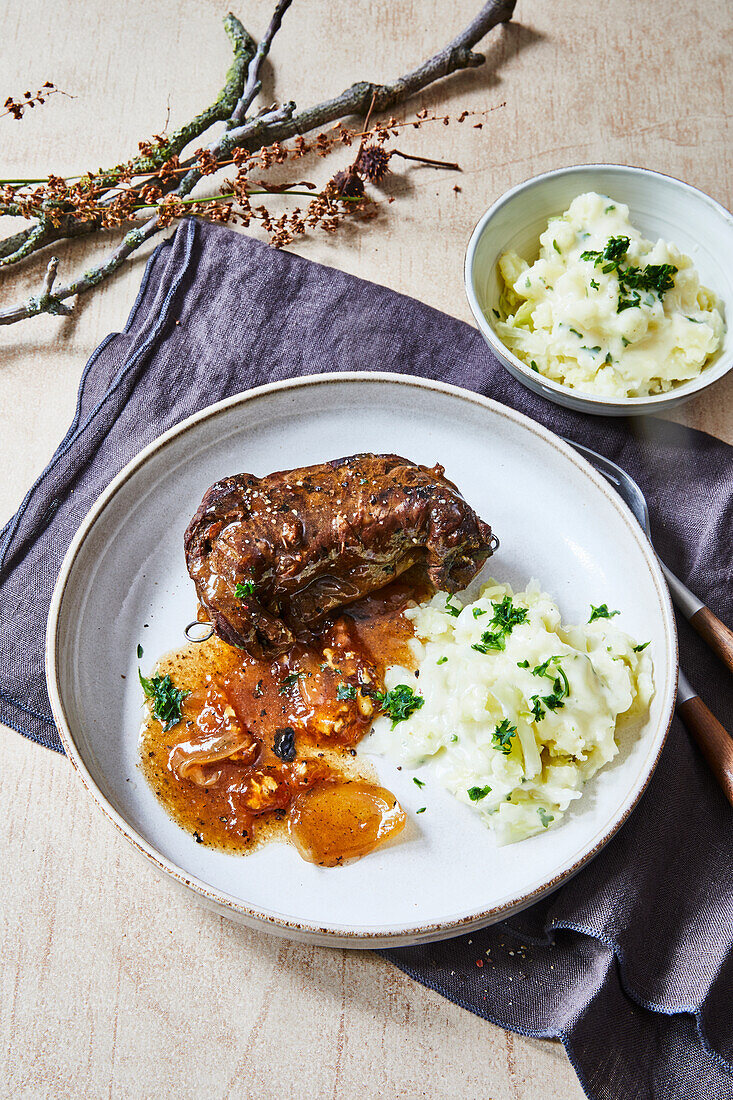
630, 962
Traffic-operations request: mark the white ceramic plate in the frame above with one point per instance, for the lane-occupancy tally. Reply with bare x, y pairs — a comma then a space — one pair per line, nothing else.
124, 581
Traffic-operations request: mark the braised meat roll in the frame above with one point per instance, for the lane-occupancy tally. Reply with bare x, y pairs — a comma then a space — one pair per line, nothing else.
270, 556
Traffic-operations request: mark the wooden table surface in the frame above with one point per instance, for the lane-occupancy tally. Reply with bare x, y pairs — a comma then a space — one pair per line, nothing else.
112, 982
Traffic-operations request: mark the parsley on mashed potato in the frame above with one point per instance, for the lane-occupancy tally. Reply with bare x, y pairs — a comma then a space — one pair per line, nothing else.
517, 711
605, 311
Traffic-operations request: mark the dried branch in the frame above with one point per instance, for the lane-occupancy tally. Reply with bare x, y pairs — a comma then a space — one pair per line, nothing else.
254, 85
45, 303
244, 48
275, 125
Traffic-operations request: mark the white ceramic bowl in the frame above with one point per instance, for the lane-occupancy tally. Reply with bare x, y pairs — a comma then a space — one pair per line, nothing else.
660, 206
124, 582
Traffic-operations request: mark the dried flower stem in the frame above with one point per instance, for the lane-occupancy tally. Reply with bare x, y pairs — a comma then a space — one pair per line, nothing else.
18, 107
46, 303
273, 126
427, 160
244, 47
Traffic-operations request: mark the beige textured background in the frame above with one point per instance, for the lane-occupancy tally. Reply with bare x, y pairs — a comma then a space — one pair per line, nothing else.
112, 983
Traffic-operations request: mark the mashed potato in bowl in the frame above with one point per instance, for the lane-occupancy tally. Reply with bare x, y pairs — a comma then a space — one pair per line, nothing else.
513, 710
604, 310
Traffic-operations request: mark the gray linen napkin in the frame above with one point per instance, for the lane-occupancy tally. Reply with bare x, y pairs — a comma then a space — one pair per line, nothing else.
630, 963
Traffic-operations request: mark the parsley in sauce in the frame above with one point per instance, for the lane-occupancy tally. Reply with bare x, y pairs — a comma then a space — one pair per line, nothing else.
166, 699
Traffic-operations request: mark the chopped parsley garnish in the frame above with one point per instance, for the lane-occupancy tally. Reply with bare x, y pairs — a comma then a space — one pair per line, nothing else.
541, 670
477, 793
560, 689
654, 277
595, 285
496, 314
639, 648
478, 611
528, 282
421, 810
625, 342
609, 209
166, 699
601, 612
522, 664
454, 737
417, 782
491, 641
287, 682
139, 651
501, 738
537, 708
506, 617
556, 246
441, 660
554, 701
627, 303
244, 588
545, 818
345, 691
611, 256
534, 366
399, 703
576, 333
451, 609
594, 349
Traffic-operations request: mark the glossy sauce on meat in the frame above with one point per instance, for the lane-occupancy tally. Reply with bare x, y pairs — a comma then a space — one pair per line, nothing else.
265, 747
273, 555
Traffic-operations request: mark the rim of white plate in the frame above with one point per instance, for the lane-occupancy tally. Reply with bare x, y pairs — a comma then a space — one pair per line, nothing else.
341, 935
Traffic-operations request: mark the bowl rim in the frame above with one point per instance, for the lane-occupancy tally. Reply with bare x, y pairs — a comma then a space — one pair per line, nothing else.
339, 935
652, 402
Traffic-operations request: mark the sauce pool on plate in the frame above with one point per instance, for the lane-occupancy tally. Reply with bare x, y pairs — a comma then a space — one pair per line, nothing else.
265, 749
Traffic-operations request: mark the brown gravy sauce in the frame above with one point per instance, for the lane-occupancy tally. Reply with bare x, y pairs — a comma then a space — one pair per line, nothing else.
265, 750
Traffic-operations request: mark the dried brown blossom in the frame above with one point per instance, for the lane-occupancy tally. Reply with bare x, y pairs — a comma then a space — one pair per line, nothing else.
150, 148
17, 107
169, 169
206, 162
117, 197
373, 162
347, 184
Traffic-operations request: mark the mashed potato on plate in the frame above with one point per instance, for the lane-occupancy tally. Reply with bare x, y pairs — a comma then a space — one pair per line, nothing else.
513, 710
605, 311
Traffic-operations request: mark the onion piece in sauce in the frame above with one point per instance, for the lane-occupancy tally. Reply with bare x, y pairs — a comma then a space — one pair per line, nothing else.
221, 737
335, 822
